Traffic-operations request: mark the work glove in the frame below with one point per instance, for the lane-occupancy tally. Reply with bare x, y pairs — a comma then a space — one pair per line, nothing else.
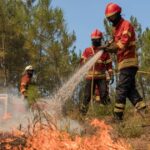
112, 48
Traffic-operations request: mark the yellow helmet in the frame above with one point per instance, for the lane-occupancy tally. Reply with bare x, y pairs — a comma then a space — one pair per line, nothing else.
29, 68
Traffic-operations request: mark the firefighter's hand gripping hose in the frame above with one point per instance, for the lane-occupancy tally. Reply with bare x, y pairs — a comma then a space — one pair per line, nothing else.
109, 46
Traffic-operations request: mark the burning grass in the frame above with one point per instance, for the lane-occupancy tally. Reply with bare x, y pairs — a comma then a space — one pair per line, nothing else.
12, 141
48, 137
42, 134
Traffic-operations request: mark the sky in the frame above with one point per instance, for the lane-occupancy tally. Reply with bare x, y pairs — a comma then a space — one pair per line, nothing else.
84, 16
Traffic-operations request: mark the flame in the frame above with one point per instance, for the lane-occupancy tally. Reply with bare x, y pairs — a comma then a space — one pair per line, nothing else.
14, 140
50, 138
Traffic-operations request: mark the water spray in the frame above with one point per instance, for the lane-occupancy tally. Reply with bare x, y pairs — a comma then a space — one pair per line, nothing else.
68, 88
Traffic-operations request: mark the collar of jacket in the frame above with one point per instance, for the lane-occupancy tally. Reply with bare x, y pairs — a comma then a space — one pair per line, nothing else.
120, 22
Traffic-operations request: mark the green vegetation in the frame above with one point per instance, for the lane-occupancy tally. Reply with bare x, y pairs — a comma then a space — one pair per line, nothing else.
33, 32
131, 128
32, 94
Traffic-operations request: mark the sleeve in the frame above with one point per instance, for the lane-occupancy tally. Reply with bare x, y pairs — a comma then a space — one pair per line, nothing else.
23, 85
84, 57
127, 32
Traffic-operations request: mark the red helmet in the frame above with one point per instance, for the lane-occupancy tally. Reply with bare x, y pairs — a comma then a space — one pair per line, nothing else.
112, 9
96, 34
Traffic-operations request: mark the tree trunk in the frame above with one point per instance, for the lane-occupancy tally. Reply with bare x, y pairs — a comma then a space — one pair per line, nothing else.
3, 60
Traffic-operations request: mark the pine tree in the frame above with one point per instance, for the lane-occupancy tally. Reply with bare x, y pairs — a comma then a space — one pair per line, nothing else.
51, 50
145, 61
33, 32
12, 38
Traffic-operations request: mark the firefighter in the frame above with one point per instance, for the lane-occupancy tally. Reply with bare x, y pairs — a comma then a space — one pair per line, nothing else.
96, 75
26, 80
124, 45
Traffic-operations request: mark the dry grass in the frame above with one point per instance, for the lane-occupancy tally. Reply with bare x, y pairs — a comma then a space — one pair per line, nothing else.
132, 126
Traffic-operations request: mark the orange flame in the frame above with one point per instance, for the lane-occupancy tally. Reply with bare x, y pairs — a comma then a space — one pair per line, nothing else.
48, 138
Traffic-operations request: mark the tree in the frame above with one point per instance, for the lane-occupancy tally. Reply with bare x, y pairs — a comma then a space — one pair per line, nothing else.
12, 38
51, 45
145, 61
33, 32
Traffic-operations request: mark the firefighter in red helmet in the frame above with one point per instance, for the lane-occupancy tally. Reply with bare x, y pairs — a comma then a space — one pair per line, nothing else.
124, 45
96, 74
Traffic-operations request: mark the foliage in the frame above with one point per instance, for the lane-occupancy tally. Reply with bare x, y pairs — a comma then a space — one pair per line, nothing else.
145, 62
12, 25
33, 32
99, 110
131, 128
33, 94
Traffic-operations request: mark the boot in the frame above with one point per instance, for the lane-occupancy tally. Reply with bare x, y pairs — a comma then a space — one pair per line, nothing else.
107, 101
118, 116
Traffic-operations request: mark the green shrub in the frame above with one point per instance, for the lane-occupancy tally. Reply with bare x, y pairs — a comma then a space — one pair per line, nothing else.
131, 127
99, 110
130, 131
33, 94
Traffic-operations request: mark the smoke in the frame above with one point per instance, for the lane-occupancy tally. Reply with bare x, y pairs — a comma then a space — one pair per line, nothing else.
53, 106
13, 111
19, 112
66, 91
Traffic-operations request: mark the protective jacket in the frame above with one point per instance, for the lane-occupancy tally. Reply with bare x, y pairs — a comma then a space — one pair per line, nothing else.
102, 64
124, 37
25, 81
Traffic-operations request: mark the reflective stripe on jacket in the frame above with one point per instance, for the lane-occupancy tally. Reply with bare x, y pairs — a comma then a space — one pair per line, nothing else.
102, 64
